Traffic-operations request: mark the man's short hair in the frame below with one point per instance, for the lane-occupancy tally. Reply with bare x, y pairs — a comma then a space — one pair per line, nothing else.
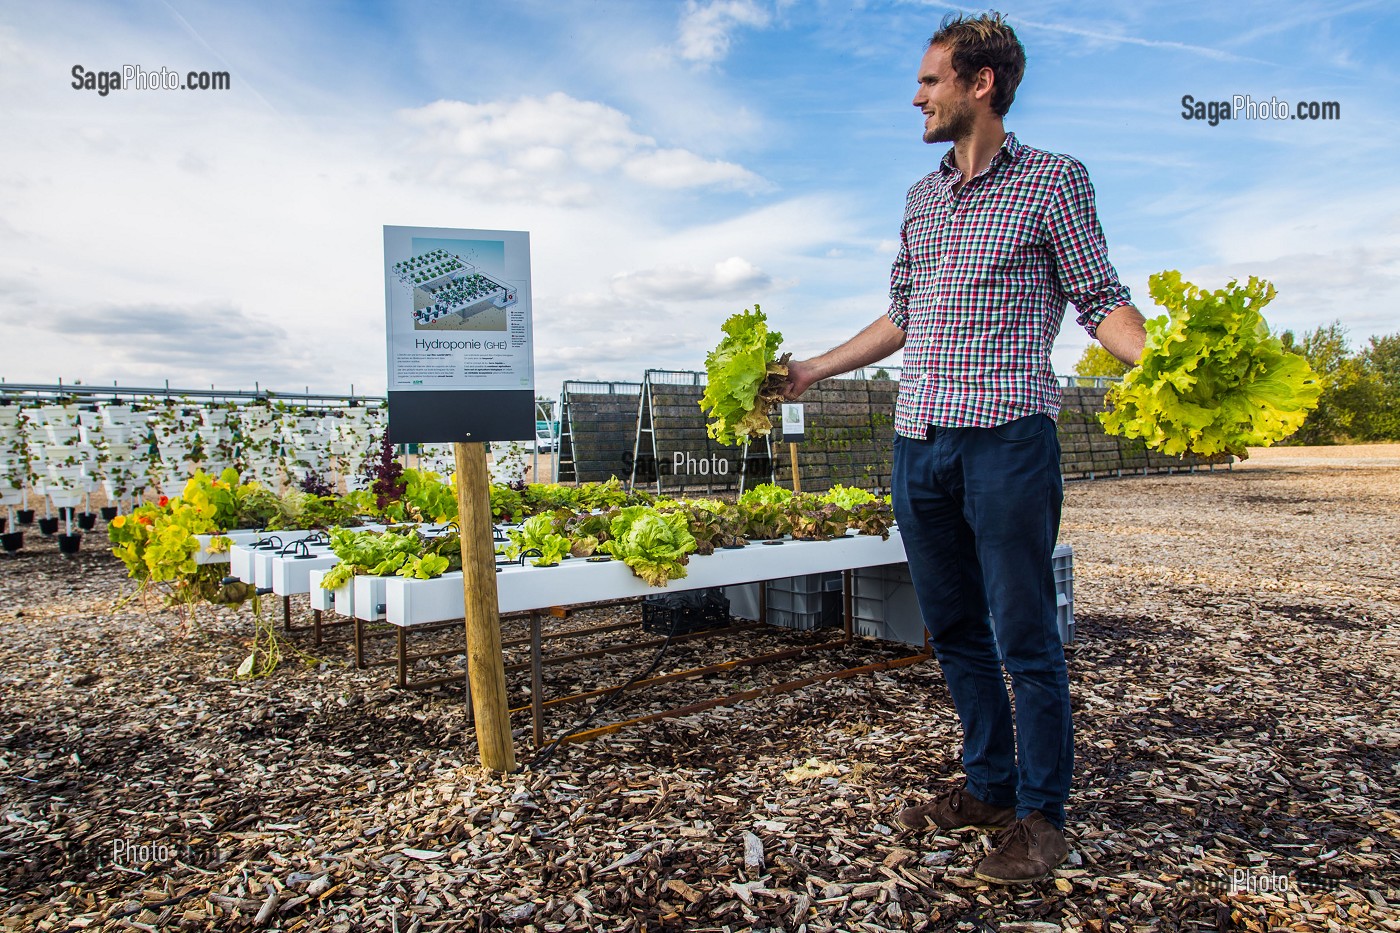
985, 41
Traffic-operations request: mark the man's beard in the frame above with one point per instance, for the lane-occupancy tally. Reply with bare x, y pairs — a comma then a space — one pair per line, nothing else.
954, 124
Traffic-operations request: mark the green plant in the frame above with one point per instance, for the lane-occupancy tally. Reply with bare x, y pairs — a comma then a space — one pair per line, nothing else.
602, 495
813, 519
540, 532
1212, 379
745, 379
371, 553
158, 545
427, 498
423, 567
545, 497
848, 497
765, 494
764, 521
656, 546
506, 503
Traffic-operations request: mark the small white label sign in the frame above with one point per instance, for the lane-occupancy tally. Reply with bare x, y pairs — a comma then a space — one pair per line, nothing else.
794, 423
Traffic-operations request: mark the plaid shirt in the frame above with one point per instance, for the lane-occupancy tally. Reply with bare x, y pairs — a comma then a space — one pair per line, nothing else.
981, 282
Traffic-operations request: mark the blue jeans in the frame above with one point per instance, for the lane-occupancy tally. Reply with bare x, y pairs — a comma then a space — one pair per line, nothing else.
979, 510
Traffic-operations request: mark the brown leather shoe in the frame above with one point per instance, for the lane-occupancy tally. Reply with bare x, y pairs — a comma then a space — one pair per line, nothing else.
1027, 850
955, 809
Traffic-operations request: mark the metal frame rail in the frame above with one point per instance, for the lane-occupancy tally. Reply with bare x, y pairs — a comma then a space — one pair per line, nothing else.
539, 706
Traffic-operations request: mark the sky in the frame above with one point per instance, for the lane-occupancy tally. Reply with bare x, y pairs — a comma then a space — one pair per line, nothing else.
673, 163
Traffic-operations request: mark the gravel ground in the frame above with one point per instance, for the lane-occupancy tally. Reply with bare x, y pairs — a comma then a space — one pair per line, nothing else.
1235, 685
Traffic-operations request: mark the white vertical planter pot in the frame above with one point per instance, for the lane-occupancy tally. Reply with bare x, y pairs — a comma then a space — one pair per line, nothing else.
343, 599
240, 562
321, 598
60, 414
369, 596
59, 455
61, 433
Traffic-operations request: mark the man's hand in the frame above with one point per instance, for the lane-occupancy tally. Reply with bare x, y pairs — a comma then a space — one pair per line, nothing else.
801, 375
871, 345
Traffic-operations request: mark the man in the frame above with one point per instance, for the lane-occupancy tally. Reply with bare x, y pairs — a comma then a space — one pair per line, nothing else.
993, 246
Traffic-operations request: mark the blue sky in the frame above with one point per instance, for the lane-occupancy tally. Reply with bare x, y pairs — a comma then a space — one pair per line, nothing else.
673, 163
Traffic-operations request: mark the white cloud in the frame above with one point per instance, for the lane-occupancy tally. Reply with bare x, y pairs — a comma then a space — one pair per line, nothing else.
705, 28
677, 168
732, 276
555, 150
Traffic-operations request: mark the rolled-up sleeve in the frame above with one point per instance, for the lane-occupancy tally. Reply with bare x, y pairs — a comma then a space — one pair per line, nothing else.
1081, 254
901, 281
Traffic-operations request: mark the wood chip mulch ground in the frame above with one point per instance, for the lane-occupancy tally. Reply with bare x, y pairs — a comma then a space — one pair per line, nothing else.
1236, 677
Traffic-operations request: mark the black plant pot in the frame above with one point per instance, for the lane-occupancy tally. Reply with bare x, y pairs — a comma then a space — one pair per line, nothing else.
68, 544
109, 512
24, 517
48, 526
65, 512
87, 520
3, 520
12, 541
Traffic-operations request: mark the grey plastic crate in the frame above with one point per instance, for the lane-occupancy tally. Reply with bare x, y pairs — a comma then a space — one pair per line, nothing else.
743, 600
884, 606
804, 602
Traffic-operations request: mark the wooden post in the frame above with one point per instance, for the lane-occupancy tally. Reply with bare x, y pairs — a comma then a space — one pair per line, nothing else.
486, 673
796, 479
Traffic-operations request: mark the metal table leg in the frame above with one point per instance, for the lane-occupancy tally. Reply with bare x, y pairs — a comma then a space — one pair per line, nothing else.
403, 656
536, 679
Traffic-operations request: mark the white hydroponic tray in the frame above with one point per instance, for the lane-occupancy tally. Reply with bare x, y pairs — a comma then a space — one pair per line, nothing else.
416, 602
241, 556
291, 576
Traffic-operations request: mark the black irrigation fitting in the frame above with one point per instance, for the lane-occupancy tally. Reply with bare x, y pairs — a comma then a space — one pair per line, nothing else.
300, 550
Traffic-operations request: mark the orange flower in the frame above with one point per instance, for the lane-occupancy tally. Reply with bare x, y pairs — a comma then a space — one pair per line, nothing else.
119, 521
145, 519
163, 501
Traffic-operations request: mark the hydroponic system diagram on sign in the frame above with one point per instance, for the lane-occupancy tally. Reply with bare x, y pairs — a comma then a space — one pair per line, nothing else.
450, 292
